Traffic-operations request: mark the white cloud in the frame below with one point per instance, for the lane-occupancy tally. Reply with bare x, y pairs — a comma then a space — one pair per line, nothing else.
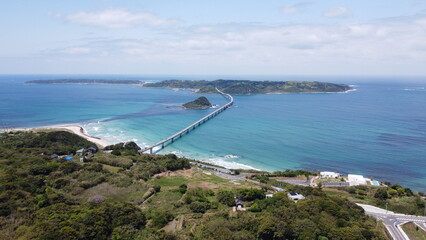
337, 12
118, 18
76, 50
388, 46
295, 8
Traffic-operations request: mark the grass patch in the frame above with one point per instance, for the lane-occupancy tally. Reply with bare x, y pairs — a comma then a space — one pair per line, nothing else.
168, 182
111, 169
116, 194
414, 232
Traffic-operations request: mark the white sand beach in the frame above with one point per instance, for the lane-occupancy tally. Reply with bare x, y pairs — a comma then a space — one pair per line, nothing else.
76, 129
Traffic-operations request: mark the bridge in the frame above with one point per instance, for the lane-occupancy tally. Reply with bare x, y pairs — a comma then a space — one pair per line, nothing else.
163, 143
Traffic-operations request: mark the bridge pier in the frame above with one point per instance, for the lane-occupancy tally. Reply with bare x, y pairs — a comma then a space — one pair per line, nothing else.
192, 126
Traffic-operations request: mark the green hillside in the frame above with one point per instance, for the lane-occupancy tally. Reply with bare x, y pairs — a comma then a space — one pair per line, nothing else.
199, 103
251, 87
132, 196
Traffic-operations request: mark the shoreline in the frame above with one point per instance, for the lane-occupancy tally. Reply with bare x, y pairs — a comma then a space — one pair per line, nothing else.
74, 128
81, 131
196, 91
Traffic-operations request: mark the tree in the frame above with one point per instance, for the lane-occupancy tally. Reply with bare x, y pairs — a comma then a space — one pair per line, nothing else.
116, 152
255, 208
401, 191
226, 197
267, 228
199, 207
250, 194
183, 188
393, 192
381, 194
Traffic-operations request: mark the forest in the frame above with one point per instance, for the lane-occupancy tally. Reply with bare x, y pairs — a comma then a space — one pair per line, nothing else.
132, 196
245, 87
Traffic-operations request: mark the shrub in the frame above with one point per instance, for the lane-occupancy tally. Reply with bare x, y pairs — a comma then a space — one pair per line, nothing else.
161, 218
226, 197
255, 208
60, 183
199, 207
96, 199
250, 194
381, 194
116, 152
182, 188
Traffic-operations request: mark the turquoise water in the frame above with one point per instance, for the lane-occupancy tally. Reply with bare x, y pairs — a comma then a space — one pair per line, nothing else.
378, 131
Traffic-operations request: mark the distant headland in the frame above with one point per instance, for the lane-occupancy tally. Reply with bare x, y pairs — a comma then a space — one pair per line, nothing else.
246, 87
242, 87
84, 81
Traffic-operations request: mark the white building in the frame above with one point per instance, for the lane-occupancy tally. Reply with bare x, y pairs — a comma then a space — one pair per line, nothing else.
329, 174
295, 196
355, 180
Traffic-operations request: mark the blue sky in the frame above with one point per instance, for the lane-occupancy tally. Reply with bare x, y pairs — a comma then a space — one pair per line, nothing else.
238, 37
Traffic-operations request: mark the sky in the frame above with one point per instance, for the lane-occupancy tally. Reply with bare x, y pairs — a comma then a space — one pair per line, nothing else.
232, 37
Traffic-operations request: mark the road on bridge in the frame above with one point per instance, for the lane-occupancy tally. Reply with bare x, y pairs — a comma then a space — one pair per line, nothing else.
393, 221
198, 123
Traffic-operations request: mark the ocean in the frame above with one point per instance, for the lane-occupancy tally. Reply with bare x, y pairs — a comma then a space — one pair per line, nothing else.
378, 131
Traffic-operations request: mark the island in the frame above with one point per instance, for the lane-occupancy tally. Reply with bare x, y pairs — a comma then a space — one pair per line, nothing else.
246, 87
84, 81
199, 103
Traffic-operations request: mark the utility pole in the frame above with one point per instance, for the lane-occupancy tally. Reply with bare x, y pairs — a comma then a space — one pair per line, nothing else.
386, 207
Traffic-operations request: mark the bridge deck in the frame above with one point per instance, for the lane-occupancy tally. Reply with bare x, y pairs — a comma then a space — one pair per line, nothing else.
194, 125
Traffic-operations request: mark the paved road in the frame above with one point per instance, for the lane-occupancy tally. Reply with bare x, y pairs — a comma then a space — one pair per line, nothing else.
335, 184
226, 173
392, 221
421, 225
305, 183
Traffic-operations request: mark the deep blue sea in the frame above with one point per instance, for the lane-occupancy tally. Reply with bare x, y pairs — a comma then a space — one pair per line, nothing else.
379, 130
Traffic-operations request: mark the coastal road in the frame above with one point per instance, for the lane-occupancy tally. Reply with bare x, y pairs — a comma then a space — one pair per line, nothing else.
305, 183
225, 173
393, 221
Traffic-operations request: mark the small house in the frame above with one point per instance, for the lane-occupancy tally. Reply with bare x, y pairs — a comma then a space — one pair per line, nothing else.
329, 174
54, 155
355, 180
239, 205
269, 195
92, 150
80, 152
295, 196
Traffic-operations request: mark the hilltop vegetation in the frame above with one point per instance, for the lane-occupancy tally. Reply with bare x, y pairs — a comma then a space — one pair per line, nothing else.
199, 103
251, 87
132, 196
84, 81
392, 196
130, 148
